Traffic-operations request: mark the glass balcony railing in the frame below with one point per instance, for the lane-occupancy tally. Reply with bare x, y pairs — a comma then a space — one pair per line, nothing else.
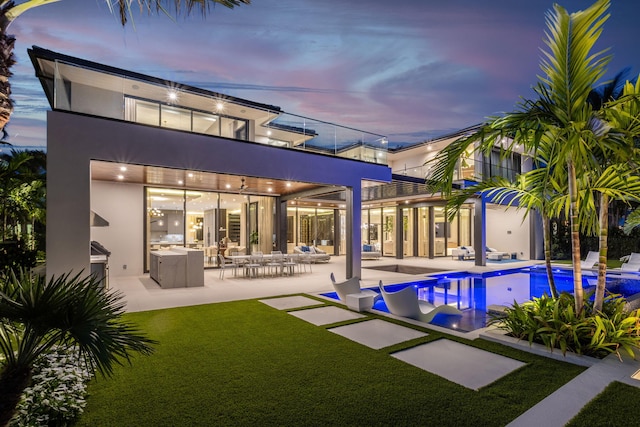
155, 102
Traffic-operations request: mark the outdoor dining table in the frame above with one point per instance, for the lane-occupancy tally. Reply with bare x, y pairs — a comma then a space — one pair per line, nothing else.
240, 259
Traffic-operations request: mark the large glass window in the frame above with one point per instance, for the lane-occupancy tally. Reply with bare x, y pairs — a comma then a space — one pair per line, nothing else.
389, 231
465, 226
407, 231
147, 113
423, 232
440, 232
375, 229
165, 219
315, 227
175, 118
208, 124
170, 116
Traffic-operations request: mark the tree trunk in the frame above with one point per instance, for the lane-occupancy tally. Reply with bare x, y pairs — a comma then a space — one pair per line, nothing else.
603, 246
546, 231
12, 385
7, 60
578, 292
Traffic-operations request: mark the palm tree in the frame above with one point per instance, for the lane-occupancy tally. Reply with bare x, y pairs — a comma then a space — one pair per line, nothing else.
617, 105
71, 311
22, 191
536, 190
10, 10
560, 115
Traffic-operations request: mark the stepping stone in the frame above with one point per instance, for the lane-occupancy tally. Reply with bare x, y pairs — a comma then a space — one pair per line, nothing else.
286, 303
325, 315
462, 364
377, 333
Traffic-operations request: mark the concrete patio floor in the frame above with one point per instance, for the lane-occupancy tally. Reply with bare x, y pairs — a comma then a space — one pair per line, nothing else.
142, 293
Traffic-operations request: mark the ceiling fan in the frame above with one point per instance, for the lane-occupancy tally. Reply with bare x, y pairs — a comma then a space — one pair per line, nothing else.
243, 186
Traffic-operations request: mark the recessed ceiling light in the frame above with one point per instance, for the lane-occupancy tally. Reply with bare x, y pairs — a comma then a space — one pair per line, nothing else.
268, 133
123, 168
173, 96
219, 106
288, 184
180, 182
120, 176
228, 186
190, 175
269, 189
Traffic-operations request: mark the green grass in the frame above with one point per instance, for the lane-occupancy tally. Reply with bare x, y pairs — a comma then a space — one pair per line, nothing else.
245, 363
617, 405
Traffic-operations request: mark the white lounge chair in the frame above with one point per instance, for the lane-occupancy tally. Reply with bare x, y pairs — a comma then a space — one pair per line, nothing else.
632, 264
405, 303
463, 252
349, 287
591, 260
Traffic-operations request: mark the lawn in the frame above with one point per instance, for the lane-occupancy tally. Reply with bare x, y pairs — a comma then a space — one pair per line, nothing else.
245, 363
617, 405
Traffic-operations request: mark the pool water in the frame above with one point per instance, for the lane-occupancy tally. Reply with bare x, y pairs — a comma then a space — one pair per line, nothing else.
473, 293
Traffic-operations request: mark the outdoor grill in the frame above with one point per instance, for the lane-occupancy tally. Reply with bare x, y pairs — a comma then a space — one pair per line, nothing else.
100, 263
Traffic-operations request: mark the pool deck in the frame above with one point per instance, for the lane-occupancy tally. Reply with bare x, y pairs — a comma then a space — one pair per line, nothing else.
142, 293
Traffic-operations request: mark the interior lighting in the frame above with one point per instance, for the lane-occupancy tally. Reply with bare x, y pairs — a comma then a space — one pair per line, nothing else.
269, 189
268, 133
219, 106
123, 168
120, 177
288, 184
228, 186
172, 95
180, 182
190, 175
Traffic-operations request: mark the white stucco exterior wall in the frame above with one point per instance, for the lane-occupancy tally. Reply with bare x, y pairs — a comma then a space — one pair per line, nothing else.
506, 230
122, 205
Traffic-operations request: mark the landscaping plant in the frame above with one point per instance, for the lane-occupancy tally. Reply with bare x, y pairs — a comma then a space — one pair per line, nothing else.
58, 392
555, 323
74, 312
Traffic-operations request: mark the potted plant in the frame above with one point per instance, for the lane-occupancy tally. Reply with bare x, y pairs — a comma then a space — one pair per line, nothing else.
253, 240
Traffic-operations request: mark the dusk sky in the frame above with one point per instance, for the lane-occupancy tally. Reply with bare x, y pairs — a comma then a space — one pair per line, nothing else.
408, 69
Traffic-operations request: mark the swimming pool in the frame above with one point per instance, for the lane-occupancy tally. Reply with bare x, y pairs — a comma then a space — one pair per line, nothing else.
472, 293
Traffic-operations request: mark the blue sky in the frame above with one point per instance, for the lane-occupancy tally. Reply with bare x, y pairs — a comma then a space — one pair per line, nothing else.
408, 69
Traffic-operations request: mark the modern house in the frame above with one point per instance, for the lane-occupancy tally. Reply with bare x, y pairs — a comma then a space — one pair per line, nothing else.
140, 163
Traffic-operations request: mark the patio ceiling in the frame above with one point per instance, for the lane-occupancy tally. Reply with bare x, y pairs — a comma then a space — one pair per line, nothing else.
209, 181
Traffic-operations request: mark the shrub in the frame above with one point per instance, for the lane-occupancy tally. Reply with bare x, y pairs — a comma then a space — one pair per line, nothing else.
554, 323
58, 391
15, 255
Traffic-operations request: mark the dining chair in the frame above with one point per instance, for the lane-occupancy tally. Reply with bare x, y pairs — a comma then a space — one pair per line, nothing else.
275, 263
225, 264
289, 264
255, 263
304, 260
